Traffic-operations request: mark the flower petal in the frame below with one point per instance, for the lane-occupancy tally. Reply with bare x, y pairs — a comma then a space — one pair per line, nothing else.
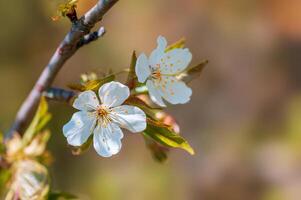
162, 43
79, 128
175, 61
174, 91
154, 93
142, 68
129, 117
113, 94
86, 101
158, 53
107, 140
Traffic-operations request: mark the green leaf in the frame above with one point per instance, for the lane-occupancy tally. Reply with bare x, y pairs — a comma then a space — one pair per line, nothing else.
166, 136
5, 175
65, 8
193, 72
92, 84
95, 84
43, 122
132, 78
41, 118
177, 45
61, 196
159, 152
76, 86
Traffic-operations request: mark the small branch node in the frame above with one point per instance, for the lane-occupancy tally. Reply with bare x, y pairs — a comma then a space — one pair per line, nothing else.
91, 37
72, 41
72, 15
59, 94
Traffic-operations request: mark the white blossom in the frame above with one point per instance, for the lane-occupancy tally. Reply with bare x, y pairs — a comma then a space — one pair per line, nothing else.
160, 72
30, 181
104, 119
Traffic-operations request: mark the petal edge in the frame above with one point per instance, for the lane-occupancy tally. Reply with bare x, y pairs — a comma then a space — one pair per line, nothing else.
113, 93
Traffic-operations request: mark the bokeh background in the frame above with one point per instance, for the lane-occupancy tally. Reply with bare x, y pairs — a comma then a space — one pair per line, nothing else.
244, 119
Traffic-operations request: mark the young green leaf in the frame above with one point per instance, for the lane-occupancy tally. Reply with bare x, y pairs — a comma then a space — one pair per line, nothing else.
178, 44
132, 79
41, 118
5, 175
65, 8
159, 152
193, 72
76, 86
92, 84
166, 136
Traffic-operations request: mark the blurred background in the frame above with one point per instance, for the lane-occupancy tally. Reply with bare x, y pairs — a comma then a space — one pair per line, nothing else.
244, 119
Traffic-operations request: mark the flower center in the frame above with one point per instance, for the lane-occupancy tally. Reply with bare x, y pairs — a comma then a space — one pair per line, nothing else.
103, 115
157, 74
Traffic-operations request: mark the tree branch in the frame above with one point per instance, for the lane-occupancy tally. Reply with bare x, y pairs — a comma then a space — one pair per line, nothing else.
66, 49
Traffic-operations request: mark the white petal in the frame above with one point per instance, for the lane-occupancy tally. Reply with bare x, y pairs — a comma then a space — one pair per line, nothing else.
175, 61
174, 91
79, 128
142, 68
129, 117
158, 53
154, 93
86, 101
113, 94
107, 140
162, 43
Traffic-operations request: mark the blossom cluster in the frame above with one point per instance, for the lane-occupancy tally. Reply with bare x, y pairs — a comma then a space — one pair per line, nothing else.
102, 116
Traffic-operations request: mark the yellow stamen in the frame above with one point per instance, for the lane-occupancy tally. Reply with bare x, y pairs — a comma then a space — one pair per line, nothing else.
157, 74
103, 115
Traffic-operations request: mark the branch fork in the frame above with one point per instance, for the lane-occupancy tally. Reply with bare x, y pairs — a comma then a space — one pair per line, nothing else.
78, 36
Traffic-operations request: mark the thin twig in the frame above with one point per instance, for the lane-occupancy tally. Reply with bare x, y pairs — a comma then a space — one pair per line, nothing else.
59, 94
91, 37
66, 49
